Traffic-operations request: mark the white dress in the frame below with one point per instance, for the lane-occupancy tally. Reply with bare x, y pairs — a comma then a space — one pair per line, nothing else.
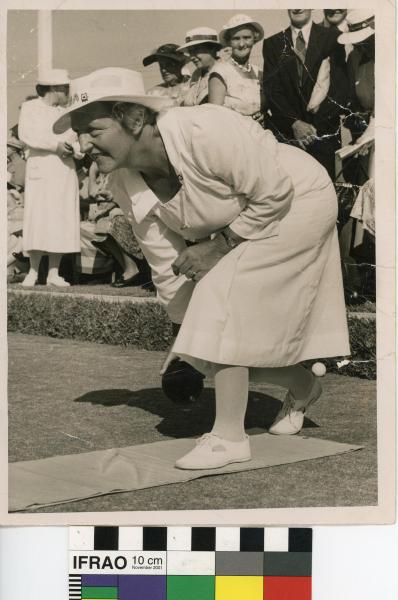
275, 300
51, 215
243, 91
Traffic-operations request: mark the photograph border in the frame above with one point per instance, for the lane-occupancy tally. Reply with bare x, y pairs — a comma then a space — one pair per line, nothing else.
384, 512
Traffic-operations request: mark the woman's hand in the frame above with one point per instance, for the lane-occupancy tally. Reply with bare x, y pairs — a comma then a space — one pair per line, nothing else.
64, 149
104, 196
196, 261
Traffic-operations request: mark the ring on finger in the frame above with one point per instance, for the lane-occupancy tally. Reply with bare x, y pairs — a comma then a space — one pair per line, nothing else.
191, 274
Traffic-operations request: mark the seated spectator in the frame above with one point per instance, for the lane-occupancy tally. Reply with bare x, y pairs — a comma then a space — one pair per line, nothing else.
235, 82
108, 230
171, 63
202, 46
16, 164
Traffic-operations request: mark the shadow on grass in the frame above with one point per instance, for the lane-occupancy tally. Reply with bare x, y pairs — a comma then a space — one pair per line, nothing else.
187, 420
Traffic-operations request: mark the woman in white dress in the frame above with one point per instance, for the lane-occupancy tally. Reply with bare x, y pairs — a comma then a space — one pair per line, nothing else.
235, 82
51, 215
262, 289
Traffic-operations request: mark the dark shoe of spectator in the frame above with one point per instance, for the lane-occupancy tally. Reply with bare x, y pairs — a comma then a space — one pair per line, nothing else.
137, 279
19, 256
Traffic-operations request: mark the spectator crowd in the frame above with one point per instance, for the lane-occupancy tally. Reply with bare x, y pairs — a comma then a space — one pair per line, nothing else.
314, 90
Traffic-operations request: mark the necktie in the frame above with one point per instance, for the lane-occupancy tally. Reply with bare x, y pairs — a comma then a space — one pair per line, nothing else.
300, 49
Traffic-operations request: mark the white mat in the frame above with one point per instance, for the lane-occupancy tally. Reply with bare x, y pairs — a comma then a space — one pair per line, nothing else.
38, 483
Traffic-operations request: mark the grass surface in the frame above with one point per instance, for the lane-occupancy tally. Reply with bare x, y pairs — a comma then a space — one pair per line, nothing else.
67, 397
95, 289
143, 323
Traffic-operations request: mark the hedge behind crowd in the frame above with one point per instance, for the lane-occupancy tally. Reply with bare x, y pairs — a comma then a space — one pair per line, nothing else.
146, 326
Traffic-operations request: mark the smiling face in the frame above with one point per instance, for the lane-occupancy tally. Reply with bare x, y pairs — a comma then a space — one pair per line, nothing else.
335, 16
299, 17
170, 71
241, 41
102, 137
203, 56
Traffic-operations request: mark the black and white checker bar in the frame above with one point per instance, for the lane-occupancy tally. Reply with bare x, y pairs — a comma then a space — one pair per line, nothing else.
237, 539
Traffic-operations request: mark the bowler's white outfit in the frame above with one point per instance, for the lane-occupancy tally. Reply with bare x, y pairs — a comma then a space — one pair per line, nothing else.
277, 298
51, 214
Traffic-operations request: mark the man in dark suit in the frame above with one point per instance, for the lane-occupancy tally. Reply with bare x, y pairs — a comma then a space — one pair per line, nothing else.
293, 61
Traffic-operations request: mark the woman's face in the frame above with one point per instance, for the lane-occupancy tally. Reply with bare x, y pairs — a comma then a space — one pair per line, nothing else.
170, 71
101, 137
202, 56
242, 42
62, 93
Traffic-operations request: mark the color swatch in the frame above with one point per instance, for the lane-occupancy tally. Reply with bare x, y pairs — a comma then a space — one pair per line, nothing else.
195, 563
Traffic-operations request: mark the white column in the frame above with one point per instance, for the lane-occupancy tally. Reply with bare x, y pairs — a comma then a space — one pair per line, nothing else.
45, 40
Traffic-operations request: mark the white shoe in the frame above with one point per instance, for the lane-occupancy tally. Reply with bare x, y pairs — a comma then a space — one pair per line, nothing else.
57, 281
290, 418
212, 452
30, 280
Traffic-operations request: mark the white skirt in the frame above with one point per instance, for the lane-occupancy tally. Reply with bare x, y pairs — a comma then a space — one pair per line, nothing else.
273, 302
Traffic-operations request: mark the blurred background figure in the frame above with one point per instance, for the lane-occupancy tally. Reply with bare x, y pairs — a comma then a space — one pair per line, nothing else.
16, 166
175, 78
202, 45
51, 214
235, 82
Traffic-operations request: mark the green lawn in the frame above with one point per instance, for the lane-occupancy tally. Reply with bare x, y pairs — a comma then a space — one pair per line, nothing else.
68, 396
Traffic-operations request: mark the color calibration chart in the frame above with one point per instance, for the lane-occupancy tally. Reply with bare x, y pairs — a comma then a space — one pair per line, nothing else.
190, 563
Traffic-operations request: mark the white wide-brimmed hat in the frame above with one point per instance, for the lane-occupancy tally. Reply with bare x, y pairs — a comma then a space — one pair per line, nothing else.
112, 84
53, 77
361, 25
200, 35
240, 21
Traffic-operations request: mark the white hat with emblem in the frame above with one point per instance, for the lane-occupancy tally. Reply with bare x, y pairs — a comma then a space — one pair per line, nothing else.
112, 84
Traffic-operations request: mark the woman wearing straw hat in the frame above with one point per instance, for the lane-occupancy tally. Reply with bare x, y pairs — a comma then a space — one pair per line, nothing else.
262, 289
171, 63
235, 82
52, 216
202, 45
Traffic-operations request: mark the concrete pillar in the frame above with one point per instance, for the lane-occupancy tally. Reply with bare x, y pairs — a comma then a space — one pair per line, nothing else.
45, 40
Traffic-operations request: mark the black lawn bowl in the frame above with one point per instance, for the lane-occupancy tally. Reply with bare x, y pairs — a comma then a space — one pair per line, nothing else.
181, 383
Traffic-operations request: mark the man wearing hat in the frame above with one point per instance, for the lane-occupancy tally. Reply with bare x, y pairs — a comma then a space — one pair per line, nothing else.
300, 63
171, 62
